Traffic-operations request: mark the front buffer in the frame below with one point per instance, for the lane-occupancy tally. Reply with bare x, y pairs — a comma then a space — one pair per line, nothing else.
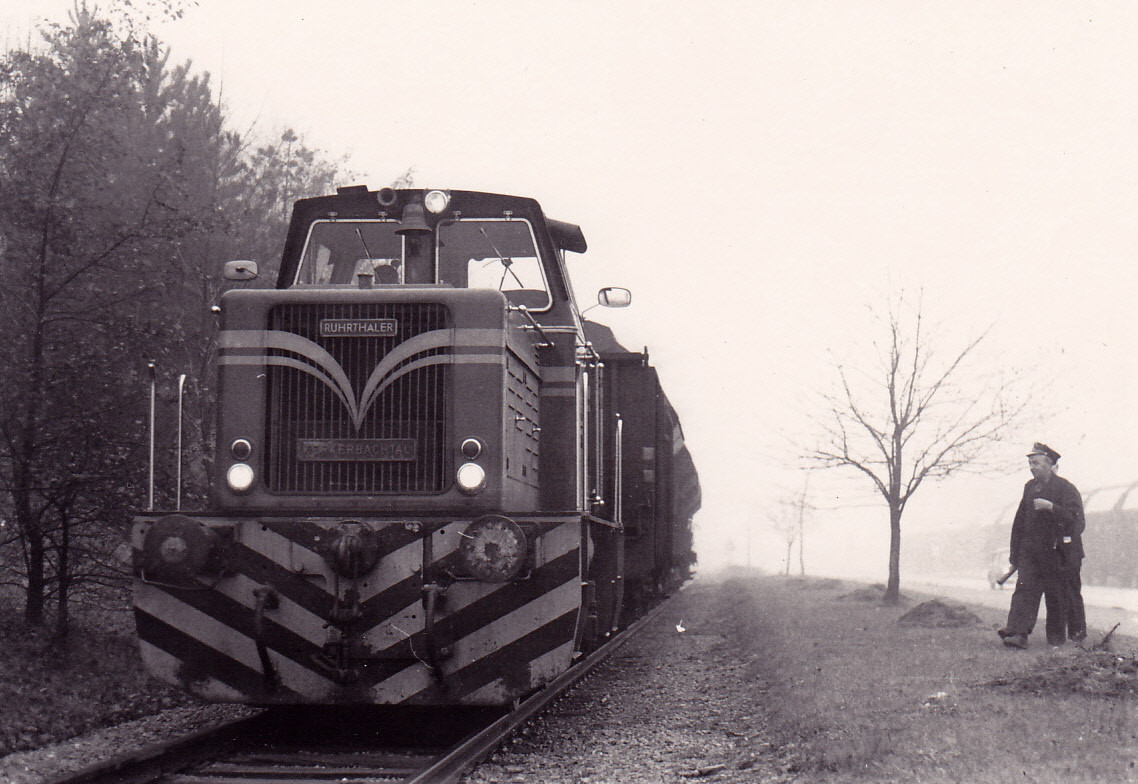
475, 611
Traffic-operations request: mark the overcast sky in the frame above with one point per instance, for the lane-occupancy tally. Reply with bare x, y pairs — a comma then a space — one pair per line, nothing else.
759, 173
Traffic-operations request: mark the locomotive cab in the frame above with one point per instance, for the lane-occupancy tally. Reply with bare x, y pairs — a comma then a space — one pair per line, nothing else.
405, 325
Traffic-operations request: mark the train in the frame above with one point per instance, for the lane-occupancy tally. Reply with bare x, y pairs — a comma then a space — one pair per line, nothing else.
1110, 540
434, 481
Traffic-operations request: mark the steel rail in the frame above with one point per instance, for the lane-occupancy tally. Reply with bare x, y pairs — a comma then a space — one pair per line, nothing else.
450, 768
211, 746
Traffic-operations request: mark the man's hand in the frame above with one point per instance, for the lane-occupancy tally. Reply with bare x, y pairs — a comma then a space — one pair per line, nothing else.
1042, 504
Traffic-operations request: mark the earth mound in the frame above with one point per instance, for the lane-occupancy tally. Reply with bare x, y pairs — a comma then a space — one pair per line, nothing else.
938, 615
816, 583
869, 593
1100, 673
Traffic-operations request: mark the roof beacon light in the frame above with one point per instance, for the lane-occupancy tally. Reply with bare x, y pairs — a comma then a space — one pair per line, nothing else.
436, 201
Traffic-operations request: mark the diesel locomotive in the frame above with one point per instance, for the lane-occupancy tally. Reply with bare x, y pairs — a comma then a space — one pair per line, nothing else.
434, 482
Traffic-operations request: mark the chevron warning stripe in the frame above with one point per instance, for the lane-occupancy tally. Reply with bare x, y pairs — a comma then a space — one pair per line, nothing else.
488, 643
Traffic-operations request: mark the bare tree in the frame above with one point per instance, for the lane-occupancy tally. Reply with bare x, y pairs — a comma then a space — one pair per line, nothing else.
784, 522
788, 519
915, 415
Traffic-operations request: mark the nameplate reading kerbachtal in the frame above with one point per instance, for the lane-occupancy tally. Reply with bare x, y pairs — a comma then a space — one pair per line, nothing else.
355, 449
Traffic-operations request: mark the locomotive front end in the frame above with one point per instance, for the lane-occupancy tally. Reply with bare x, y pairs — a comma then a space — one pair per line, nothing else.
379, 531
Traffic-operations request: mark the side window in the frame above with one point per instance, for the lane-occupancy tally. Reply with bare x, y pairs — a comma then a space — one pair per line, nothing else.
318, 264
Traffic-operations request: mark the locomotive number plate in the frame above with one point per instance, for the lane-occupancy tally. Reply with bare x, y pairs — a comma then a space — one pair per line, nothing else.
355, 449
358, 328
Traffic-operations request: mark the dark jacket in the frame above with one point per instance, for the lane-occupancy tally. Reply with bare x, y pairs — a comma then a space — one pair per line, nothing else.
1036, 531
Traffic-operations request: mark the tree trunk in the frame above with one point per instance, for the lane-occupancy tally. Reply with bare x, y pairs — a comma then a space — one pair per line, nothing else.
28, 529
801, 547
31, 522
893, 587
62, 616
34, 598
31, 531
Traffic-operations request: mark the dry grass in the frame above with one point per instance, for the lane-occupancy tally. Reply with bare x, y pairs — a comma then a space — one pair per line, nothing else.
844, 689
52, 690
864, 697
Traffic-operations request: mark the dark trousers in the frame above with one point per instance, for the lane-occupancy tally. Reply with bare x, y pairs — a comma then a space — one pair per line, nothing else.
1041, 575
1076, 614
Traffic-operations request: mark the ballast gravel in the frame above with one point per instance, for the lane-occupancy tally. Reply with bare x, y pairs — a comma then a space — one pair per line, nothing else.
677, 703
54, 762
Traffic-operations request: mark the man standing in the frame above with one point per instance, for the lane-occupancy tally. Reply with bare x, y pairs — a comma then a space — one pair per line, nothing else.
1047, 548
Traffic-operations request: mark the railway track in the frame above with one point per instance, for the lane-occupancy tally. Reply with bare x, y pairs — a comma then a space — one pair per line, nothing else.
344, 745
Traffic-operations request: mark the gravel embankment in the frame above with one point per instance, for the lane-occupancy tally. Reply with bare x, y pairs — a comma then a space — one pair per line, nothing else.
677, 703
748, 678
671, 705
53, 762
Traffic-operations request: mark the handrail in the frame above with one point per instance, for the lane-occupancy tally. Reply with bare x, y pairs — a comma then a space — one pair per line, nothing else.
178, 497
153, 382
532, 323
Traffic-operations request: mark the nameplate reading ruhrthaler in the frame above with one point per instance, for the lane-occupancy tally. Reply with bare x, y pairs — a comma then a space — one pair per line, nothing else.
352, 449
364, 328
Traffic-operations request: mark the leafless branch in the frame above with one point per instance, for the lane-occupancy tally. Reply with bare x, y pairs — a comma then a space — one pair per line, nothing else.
914, 419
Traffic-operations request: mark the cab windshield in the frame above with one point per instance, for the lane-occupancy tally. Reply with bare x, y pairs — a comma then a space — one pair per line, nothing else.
338, 251
484, 253
493, 254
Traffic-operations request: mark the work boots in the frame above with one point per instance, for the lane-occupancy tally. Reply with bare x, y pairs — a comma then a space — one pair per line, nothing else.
1013, 640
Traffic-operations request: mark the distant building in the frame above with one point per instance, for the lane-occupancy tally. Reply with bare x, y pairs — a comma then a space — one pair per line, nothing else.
1111, 538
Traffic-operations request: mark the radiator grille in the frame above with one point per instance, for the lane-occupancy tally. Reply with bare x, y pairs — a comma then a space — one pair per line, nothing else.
405, 428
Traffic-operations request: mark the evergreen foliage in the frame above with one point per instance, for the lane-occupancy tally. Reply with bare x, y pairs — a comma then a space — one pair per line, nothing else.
124, 193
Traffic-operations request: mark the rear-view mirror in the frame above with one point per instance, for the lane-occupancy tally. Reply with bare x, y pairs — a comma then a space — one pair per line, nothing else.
614, 297
240, 270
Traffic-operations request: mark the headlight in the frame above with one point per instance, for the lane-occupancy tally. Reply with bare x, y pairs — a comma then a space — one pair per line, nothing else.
493, 549
239, 477
471, 478
436, 201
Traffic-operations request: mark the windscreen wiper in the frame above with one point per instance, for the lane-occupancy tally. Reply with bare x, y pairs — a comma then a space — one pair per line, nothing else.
507, 262
363, 242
